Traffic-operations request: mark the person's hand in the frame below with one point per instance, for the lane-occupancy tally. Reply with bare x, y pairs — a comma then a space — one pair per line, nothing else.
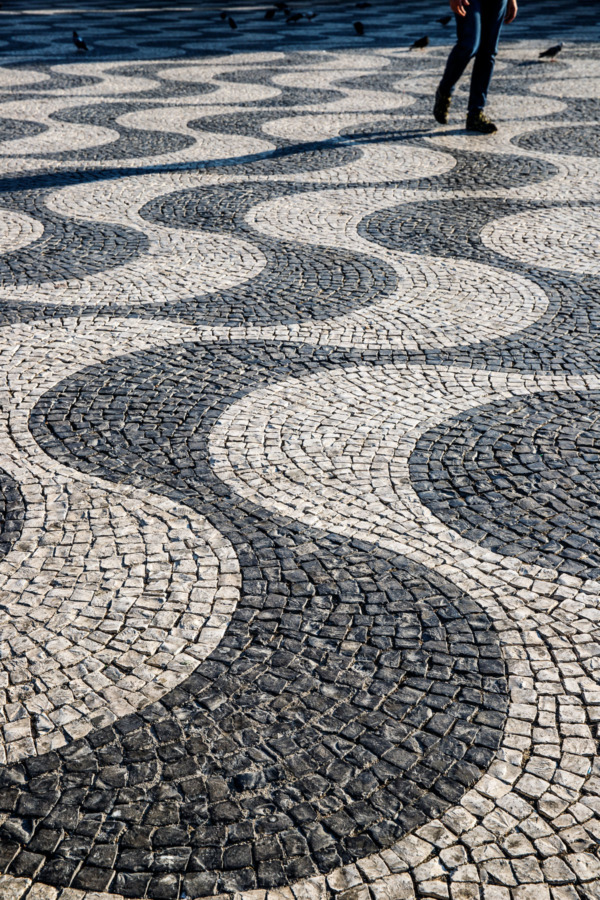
460, 7
511, 11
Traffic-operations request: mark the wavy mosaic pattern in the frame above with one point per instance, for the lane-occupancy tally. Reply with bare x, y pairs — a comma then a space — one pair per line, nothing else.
299, 566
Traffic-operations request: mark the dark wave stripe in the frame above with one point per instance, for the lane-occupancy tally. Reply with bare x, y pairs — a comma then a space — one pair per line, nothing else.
55, 81
564, 339
67, 248
132, 142
354, 696
12, 513
520, 477
566, 140
299, 282
12, 129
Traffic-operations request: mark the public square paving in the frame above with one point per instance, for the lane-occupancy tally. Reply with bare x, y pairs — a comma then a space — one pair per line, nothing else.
300, 458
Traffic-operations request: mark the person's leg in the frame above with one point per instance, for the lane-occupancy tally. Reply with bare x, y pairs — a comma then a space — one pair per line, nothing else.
468, 31
492, 17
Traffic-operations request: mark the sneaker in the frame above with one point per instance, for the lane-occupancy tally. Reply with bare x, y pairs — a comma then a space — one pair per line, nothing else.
441, 107
479, 122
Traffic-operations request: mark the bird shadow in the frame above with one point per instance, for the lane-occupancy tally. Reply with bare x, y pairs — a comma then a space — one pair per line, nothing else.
535, 62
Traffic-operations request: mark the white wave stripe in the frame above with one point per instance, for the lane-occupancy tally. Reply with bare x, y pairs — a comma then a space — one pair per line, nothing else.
438, 303
331, 450
339, 442
354, 100
502, 107
306, 127
58, 136
334, 221
108, 81
580, 67
10, 77
178, 264
567, 238
127, 592
17, 230
62, 136
223, 91
381, 162
103, 636
577, 177
318, 126
187, 263
205, 70
208, 144
580, 87
341, 63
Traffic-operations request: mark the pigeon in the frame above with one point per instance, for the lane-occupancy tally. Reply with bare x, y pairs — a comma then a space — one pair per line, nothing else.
444, 20
292, 18
231, 22
359, 28
223, 15
551, 52
79, 42
420, 43
364, 4
270, 14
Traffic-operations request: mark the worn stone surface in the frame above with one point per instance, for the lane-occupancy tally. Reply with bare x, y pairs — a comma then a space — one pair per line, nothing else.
299, 445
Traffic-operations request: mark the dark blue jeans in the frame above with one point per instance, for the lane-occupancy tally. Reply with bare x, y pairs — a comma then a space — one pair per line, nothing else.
478, 35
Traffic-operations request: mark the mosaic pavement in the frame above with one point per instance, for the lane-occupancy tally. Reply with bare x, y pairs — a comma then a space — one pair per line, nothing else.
300, 449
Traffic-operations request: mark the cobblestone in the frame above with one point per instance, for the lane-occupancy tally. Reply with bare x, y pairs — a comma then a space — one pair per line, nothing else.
299, 443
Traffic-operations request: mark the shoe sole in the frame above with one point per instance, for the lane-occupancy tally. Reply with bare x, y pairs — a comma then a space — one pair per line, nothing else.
480, 131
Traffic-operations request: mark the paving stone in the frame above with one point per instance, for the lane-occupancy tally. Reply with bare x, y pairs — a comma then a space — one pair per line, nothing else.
298, 481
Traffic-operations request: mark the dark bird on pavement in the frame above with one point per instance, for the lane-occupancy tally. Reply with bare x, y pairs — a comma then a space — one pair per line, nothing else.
420, 43
231, 22
359, 28
293, 18
270, 14
444, 20
551, 52
223, 15
79, 42
364, 4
